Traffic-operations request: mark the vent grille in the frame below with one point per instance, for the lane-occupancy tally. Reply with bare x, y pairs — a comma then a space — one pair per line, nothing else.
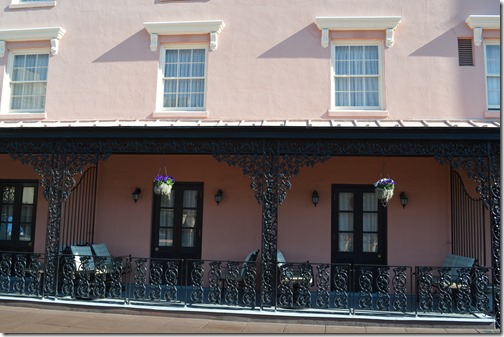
465, 51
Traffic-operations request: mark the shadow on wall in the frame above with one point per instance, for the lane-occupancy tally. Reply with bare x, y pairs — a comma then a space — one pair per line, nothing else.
134, 48
303, 44
445, 45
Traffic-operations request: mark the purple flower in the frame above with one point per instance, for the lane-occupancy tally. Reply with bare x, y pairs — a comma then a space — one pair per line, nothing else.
385, 183
161, 179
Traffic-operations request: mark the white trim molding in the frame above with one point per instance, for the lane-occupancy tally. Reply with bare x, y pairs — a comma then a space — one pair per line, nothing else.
386, 23
53, 34
479, 22
212, 27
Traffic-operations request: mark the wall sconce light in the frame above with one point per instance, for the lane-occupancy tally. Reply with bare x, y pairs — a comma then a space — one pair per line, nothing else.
136, 194
404, 199
218, 197
315, 198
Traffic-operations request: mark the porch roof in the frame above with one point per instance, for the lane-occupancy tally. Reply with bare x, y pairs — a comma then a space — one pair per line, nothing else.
482, 129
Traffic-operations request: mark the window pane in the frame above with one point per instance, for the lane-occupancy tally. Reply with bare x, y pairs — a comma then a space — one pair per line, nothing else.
493, 59
190, 198
370, 243
31, 71
165, 237
8, 194
369, 202
345, 242
189, 218
166, 218
7, 211
346, 222
25, 232
26, 213
188, 237
186, 70
346, 201
493, 88
168, 201
370, 222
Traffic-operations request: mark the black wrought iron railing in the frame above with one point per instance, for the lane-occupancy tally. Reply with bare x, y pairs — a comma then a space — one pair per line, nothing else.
330, 288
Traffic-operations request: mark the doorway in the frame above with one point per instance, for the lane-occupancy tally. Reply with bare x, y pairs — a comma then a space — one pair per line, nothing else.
358, 226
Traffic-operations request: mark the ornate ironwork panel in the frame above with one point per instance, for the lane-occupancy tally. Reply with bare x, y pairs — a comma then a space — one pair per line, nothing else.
249, 276
171, 279
341, 282
424, 282
232, 276
5, 272
197, 273
323, 283
399, 283
140, 277
214, 275
382, 287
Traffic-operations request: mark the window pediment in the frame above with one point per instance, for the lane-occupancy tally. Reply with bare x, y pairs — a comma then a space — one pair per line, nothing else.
53, 34
479, 22
386, 23
212, 27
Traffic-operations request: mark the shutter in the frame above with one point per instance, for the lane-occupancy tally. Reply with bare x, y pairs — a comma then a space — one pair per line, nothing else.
465, 51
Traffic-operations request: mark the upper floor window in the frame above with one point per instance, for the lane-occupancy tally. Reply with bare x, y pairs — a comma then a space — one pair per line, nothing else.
357, 76
183, 78
492, 69
28, 74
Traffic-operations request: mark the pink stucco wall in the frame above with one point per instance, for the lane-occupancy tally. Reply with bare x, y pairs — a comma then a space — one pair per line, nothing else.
418, 234
269, 63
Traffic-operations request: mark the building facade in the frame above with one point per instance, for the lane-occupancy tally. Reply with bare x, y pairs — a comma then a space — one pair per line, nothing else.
275, 120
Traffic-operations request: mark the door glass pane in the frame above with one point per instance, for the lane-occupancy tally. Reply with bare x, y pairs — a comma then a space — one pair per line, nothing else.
190, 198
8, 194
26, 213
166, 218
370, 242
189, 218
370, 203
370, 222
168, 202
28, 195
25, 232
346, 222
165, 237
188, 237
345, 242
346, 202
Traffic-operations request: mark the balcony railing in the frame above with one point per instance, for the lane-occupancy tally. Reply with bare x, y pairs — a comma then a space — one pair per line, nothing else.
309, 287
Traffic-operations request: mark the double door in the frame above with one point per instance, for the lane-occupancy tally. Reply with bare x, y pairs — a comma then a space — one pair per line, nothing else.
358, 226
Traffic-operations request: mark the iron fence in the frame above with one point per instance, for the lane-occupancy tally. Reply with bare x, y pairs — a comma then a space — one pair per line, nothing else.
318, 287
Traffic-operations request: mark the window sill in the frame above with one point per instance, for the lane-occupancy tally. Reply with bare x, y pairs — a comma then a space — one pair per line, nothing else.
180, 114
358, 113
492, 114
17, 4
23, 116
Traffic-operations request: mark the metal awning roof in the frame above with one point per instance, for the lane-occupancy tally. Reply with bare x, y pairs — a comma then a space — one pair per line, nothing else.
355, 123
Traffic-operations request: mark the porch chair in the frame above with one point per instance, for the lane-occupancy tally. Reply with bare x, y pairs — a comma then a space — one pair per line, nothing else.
80, 254
455, 262
292, 272
101, 250
251, 258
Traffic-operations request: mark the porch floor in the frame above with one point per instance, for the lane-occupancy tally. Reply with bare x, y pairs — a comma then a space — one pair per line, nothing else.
59, 316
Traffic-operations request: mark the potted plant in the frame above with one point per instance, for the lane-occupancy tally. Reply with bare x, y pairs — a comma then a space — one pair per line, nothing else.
384, 189
163, 184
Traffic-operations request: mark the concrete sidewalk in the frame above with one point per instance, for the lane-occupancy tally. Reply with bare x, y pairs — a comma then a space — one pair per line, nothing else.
47, 319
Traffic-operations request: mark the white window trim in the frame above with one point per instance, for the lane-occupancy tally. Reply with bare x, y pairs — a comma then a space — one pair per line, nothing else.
386, 23
5, 111
492, 111
479, 22
52, 34
35, 4
343, 112
184, 112
212, 27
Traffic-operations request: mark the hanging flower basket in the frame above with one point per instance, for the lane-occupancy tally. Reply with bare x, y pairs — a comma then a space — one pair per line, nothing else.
384, 190
163, 184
